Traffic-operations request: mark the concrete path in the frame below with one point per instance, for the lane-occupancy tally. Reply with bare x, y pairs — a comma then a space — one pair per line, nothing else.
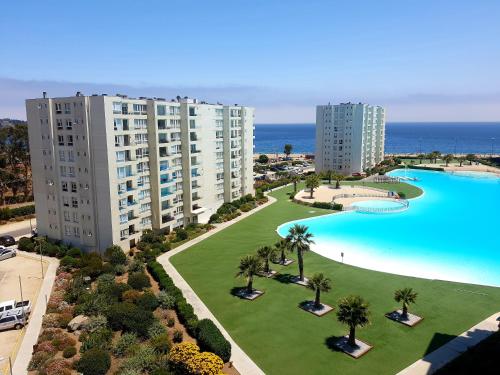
240, 359
35, 321
448, 352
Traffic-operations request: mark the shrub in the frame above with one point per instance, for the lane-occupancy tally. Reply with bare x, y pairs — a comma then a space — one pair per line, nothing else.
177, 336
26, 244
74, 252
138, 280
161, 343
401, 194
98, 339
205, 363
68, 261
105, 283
38, 359
325, 205
10, 213
180, 354
143, 361
214, 218
170, 322
131, 295
337, 206
47, 347
148, 301
136, 266
129, 317
94, 362
246, 207
211, 339
124, 343
181, 235
58, 367
118, 289
115, 255
166, 300
156, 329
69, 352
95, 323
63, 341
120, 269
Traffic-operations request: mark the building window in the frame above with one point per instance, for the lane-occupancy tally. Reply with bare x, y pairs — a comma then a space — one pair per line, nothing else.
73, 187
70, 140
71, 155
66, 216
60, 140
61, 155
69, 125
74, 202
64, 186
76, 231
63, 170
117, 107
161, 110
67, 108
58, 108
59, 124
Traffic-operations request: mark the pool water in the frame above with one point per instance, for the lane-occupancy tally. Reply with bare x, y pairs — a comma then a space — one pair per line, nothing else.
383, 204
451, 232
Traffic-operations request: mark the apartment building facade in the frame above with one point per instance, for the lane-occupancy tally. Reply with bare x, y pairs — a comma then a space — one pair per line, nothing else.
107, 167
349, 137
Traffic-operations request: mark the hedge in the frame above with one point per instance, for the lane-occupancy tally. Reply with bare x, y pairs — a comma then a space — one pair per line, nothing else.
210, 339
208, 335
328, 206
9, 213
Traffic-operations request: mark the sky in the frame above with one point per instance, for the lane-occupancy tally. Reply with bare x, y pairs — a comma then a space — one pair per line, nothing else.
422, 60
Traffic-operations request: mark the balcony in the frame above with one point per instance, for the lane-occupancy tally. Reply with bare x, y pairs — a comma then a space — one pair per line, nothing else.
195, 198
195, 151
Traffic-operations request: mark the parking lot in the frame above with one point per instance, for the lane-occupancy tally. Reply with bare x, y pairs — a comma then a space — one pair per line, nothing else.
30, 271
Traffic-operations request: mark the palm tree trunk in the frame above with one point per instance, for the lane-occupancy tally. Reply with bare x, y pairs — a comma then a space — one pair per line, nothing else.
405, 310
329, 179
352, 336
301, 265
250, 285
337, 186
317, 302
266, 268
312, 191
283, 258
295, 186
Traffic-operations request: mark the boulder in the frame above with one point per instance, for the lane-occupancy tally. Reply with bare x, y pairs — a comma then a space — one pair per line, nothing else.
77, 322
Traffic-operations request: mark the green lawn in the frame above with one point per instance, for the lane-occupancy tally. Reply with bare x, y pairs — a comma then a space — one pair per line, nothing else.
283, 339
410, 191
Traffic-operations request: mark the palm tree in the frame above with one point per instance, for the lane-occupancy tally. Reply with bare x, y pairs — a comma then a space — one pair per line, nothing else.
288, 150
353, 311
448, 158
319, 283
338, 177
312, 182
421, 157
295, 179
407, 296
250, 265
282, 247
266, 253
299, 240
437, 155
461, 160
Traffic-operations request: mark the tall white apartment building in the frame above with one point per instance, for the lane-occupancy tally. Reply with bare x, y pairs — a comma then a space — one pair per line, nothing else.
107, 167
349, 137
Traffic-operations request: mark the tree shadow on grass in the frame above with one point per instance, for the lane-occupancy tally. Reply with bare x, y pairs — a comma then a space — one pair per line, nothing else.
238, 291
284, 278
331, 341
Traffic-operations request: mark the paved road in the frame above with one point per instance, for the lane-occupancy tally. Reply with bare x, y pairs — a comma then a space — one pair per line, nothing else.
18, 229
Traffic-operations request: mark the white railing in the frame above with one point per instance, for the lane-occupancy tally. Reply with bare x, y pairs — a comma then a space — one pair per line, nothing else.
403, 205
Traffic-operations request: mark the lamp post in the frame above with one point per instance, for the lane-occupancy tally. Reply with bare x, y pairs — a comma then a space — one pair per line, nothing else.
342, 255
39, 241
10, 364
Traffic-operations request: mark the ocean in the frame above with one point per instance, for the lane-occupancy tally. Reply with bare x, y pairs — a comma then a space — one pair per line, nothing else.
424, 137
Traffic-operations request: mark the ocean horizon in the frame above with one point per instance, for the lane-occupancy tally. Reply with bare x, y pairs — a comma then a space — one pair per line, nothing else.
401, 137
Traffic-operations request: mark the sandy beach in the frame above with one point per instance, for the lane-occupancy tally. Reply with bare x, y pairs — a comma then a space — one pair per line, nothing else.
327, 193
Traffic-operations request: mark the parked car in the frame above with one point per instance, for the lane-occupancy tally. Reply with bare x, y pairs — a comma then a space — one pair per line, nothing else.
7, 240
6, 253
9, 321
13, 305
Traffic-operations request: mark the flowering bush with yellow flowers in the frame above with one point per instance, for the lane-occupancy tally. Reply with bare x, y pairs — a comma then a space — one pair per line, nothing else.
186, 358
205, 363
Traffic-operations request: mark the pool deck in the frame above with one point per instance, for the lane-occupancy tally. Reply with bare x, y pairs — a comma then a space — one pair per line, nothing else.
453, 349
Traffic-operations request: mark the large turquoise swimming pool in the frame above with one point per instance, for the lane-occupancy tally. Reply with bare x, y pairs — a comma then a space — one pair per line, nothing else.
451, 232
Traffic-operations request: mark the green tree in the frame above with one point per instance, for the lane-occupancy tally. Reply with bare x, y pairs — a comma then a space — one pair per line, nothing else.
312, 182
437, 155
115, 255
299, 241
263, 159
406, 296
250, 265
295, 179
448, 158
288, 150
319, 283
266, 253
282, 246
421, 157
470, 158
353, 312
338, 177
461, 160
329, 175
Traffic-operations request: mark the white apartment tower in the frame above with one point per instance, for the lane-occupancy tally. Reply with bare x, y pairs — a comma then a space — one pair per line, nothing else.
107, 167
349, 137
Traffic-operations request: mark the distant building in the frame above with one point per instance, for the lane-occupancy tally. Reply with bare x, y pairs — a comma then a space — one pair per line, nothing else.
349, 137
107, 167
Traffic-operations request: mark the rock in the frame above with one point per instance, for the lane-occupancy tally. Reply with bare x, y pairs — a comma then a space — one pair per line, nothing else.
77, 322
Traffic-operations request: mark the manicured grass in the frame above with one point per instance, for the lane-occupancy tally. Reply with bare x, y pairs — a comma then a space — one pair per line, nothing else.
283, 339
411, 191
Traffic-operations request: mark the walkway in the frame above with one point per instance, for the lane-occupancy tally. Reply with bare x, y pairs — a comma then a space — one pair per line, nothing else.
240, 359
35, 321
454, 348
